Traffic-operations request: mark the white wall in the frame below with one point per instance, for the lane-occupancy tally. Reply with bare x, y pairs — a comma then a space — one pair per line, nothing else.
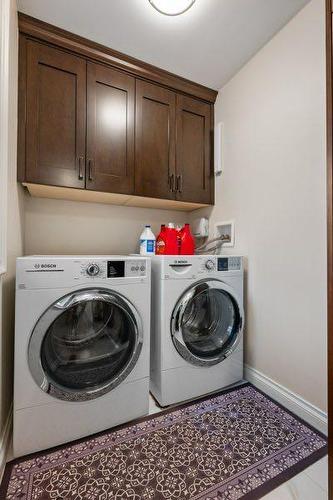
68, 227
14, 236
273, 185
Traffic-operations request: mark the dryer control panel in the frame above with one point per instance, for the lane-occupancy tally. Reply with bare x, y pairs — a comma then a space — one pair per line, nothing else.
194, 267
229, 263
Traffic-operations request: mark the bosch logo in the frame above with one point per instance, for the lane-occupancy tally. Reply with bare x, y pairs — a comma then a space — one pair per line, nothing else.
45, 266
181, 261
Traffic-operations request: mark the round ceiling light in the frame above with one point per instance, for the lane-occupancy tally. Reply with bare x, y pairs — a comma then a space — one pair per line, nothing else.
172, 7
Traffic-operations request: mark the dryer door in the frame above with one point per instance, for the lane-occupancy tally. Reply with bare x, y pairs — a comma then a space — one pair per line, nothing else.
85, 344
207, 323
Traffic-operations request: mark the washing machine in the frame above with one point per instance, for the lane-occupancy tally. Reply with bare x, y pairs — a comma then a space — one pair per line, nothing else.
81, 347
197, 326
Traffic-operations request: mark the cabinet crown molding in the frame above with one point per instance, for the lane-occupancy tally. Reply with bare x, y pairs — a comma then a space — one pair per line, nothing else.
45, 32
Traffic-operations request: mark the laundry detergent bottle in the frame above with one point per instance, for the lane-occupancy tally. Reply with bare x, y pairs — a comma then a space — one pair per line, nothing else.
187, 245
161, 241
147, 242
171, 240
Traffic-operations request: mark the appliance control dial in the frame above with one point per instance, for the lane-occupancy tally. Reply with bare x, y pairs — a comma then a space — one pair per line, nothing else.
93, 270
210, 265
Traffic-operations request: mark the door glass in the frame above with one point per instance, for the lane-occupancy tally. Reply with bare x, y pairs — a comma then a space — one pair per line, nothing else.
88, 345
211, 322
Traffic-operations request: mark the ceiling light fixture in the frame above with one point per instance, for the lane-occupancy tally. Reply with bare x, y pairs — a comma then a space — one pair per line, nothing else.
172, 7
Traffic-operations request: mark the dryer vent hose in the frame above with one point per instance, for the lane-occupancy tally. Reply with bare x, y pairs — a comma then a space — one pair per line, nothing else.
207, 249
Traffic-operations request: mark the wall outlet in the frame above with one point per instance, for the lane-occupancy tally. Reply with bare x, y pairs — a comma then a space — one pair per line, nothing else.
226, 229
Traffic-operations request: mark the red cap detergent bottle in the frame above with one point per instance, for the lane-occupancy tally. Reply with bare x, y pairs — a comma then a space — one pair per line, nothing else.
187, 245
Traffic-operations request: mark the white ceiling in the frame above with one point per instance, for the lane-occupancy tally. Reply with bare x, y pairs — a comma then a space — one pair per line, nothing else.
208, 44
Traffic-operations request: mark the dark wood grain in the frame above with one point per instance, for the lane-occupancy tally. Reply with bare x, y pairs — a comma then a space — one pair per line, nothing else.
154, 141
135, 115
110, 130
329, 95
193, 151
96, 52
55, 116
212, 154
22, 101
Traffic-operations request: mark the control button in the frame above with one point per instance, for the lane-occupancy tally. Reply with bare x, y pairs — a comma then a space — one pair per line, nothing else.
137, 268
93, 270
142, 268
210, 264
132, 268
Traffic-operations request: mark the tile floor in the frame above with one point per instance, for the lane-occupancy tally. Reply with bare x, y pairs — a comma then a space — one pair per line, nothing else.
311, 484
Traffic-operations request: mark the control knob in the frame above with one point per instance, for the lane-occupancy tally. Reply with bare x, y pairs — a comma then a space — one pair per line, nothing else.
93, 270
210, 265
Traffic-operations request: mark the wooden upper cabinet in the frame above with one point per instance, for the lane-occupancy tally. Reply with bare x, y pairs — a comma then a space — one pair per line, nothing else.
94, 119
110, 130
194, 151
55, 116
154, 141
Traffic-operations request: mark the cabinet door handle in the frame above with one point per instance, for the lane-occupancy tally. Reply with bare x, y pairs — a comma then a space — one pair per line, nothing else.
172, 182
179, 183
80, 161
90, 169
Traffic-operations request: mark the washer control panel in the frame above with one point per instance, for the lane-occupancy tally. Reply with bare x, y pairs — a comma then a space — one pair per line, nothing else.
112, 269
51, 272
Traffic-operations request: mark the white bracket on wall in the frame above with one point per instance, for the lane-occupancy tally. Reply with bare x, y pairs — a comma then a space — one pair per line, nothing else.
226, 229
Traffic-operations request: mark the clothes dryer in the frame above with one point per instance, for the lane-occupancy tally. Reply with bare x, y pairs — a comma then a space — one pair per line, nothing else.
197, 326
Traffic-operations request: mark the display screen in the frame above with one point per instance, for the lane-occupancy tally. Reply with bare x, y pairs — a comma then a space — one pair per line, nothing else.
223, 264
116, 269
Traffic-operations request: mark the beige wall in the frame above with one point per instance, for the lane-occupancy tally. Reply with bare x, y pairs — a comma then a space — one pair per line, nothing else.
273, 186
56, 226
14, 235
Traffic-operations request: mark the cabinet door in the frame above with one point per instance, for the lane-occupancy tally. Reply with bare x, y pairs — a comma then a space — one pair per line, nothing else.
154, 141
193, 156
55, 117
110, 130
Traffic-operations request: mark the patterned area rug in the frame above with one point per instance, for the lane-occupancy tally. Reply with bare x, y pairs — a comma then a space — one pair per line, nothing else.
238, 444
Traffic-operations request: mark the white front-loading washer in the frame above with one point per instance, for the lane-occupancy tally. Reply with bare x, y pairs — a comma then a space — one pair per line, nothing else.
81, 347
197, 326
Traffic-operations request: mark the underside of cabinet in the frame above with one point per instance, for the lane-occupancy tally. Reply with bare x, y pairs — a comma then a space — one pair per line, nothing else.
62, 193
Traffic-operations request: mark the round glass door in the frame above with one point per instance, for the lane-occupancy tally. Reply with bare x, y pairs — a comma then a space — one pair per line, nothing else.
85, 344
207, 323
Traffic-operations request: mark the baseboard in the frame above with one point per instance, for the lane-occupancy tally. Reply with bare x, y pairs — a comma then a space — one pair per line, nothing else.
293, 402
5, 440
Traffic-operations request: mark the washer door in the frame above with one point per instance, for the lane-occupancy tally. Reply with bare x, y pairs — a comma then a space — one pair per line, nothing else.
85, 344
207, 323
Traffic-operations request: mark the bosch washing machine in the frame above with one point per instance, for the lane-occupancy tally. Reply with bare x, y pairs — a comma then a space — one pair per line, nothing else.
81, 347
